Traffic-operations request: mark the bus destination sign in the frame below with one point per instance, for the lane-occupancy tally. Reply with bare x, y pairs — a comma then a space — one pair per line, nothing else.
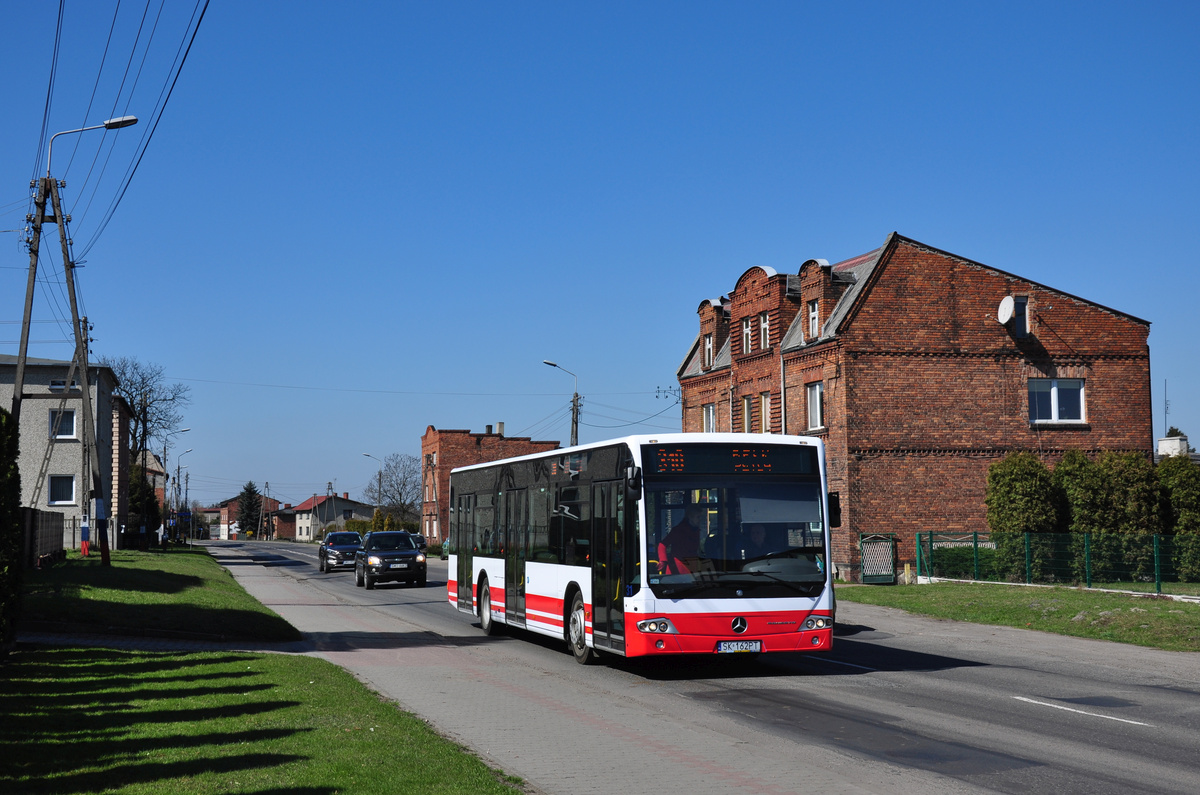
729, 459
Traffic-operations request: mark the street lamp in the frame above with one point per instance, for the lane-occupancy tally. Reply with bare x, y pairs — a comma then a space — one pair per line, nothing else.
574, 402
378, 485
111, 124
178, 461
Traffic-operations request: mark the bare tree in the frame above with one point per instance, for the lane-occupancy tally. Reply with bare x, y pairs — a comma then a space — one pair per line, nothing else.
397, 487
157, 406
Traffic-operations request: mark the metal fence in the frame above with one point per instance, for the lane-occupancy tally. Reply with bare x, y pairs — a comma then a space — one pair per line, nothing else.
43, 536
1152, 563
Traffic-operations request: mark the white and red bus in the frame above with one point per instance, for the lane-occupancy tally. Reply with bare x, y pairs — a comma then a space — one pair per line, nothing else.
651, 545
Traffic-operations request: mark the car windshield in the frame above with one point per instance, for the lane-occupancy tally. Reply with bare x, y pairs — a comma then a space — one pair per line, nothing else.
344, 539
739, 537
386, 542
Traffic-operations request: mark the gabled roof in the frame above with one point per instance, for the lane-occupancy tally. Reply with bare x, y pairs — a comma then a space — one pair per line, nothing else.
320, 499
856, 271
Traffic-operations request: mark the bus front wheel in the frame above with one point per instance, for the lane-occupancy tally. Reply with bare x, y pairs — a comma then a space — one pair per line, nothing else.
489, 626
577, 632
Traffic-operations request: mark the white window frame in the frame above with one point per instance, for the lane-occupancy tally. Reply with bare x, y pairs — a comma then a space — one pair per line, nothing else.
708, 350
764, 330
764, 409
1055, 411
815, 405
708, 417
50, 490
60, 385
1021, 316
747, 414
63, 432
747, 336
814, 319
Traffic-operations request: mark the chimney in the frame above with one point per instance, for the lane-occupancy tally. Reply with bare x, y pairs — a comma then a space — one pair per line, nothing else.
345, 495
500, 428
487, 429
287, 505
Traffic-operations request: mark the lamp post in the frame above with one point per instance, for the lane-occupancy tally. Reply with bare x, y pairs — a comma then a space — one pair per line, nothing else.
178, 461
378, 485
574, 402
47, 191
166, 472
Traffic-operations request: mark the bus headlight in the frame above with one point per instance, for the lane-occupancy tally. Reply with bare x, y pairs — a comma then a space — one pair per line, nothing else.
657, 626
818, 622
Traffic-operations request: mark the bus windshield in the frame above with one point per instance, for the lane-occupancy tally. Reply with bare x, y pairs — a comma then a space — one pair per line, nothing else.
735, 537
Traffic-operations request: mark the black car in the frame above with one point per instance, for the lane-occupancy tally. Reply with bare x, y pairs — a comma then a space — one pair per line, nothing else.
422, 544
389, 556
337, 551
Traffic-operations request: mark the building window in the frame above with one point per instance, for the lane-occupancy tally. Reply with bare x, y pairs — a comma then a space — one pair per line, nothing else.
1021, 316
764, 410
747, 414
60, 385
816, 406
764, 331
62, 489
747, 336
62, 424
708, 350
709, 422
1056, 400
814, 320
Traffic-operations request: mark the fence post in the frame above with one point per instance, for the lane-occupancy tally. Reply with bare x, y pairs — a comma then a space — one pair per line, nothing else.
1087, 559
1028, 561
1157, 566
975, 550
918, 554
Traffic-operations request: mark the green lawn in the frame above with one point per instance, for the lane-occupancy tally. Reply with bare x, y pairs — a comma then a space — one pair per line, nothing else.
75, 720
181, 590
1145, 621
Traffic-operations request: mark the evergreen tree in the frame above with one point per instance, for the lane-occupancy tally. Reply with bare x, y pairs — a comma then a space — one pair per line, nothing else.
1131, 517
1083, 498
249, 504
144, 510
1180, 479
389, 523
1021, 499
377, 520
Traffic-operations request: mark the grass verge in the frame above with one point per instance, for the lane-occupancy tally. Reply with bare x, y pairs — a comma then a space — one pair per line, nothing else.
183, 590
1157, 622
81, 720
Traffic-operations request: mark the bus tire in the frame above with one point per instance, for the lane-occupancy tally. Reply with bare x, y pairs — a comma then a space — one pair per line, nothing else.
486, 622
577, 632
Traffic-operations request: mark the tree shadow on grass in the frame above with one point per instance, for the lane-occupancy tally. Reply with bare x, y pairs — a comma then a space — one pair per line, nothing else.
95, 735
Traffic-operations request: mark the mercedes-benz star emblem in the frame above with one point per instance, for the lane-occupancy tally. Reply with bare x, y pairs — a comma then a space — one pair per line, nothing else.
739, 624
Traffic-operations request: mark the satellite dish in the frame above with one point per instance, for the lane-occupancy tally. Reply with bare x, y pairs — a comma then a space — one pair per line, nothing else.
1005, 312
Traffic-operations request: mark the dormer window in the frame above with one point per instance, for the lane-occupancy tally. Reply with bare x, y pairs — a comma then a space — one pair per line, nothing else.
764, 331
747, 336
814, 320
708, 350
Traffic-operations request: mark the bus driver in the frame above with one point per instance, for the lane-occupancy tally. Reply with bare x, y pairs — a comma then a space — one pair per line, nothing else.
680, 549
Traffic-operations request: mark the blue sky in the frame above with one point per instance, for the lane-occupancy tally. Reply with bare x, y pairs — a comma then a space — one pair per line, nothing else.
356, 220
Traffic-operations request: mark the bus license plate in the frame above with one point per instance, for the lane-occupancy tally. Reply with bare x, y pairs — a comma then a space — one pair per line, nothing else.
729, 646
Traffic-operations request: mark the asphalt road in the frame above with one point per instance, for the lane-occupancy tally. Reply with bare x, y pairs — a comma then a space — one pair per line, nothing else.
902, 703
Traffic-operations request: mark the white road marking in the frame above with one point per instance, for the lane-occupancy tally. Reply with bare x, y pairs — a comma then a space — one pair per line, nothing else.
1079, 711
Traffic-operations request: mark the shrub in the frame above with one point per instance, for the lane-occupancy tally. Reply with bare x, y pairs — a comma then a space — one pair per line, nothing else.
1180, 481
1021, 499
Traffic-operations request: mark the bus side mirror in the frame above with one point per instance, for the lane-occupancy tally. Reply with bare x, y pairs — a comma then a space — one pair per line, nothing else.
835, 510
633, 483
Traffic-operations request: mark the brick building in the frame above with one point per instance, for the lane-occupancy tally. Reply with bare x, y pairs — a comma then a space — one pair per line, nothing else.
898, 359
442, 451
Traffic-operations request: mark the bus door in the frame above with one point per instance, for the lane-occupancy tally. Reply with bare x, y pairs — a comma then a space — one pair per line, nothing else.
608, 546
516, 510
464, 533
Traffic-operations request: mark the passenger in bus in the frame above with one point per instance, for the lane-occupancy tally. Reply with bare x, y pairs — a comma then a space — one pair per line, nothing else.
679, 550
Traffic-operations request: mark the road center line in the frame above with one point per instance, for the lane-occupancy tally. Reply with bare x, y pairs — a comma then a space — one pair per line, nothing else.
1079, 711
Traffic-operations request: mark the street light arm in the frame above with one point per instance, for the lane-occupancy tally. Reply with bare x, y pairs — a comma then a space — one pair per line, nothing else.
110, 124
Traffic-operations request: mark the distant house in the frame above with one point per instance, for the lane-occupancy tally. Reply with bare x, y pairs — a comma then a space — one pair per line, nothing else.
54, 463
918, 368
229, 519
442, 451
320, 514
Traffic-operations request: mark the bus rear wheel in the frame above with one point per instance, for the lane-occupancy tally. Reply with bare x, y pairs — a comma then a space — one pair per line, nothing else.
577, 632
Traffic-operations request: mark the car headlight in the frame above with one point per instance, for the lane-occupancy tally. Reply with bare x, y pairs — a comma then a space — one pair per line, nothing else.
374, 560
420, 558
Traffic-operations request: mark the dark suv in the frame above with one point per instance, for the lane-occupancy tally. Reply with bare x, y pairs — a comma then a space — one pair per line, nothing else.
337, 551
389, 556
